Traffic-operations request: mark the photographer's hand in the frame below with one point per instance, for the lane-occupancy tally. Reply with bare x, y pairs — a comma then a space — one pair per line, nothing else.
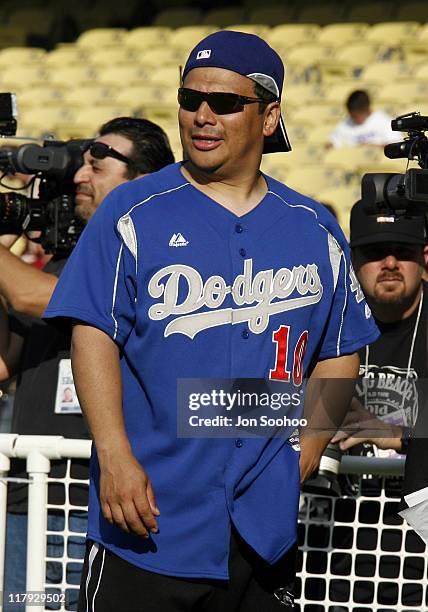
27, 289
361, 426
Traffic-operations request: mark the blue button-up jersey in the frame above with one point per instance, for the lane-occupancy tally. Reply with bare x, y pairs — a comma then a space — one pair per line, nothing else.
188, 289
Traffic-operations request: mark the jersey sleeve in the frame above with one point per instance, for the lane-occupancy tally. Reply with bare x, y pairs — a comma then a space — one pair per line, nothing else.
350, 325
98, 283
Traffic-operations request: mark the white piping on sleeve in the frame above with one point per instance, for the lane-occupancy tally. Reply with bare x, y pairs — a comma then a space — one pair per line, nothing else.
155, 195
311, 210
115, 291
335, 253
343, 309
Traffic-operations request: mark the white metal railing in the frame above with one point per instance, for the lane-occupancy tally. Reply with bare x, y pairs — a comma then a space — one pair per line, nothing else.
38, 451
316, 581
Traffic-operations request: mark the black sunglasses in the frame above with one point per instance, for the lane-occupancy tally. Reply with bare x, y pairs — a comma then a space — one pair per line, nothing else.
221, 103
100, 150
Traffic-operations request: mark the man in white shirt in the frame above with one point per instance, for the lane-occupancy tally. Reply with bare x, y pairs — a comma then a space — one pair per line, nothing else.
363, 126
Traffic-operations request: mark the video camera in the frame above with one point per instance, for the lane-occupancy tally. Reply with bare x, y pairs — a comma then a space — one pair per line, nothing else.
401, 194
54, 164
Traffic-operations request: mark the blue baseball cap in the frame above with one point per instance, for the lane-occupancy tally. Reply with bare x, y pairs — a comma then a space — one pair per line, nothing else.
250, 56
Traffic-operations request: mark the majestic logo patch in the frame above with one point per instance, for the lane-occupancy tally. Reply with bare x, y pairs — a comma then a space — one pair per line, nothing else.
178, 240
263, 289
205, 54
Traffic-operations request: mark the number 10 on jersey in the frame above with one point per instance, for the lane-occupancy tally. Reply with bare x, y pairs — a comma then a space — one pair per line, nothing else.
281, 339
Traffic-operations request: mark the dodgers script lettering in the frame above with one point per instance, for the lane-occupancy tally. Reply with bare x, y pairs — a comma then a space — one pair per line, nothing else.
263, 288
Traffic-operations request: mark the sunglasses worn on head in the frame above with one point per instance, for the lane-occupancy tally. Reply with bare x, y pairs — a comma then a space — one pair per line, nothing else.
221, 103
100, 150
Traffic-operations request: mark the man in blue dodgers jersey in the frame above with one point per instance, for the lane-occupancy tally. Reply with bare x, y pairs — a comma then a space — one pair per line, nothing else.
206, 269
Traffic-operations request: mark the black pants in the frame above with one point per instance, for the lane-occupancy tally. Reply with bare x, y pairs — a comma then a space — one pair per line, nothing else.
110, 584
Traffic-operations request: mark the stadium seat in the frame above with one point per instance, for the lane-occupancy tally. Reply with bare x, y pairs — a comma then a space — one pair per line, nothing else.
15, 56
71, 75
299, 132
312, 179
321, 14
70, 54
346, 61
163, 56
357, 54
271, 15
258, 29
291, 34
421, 72
301, 94
120, 76
40, 96
393, 33
306, 154
415, 52
86, 95
189, 36
337, 93
372, 12
320, 134
223, 17
21, 75
316, 114
178, 17
308, 54
423, 33
407, 92
173, 133
146, 37
159, 113
45, 120
278, 165
342, 199
101, 37
339, 34
110, 56
386, 72
92, 118
142, 96
166, 75
354, 159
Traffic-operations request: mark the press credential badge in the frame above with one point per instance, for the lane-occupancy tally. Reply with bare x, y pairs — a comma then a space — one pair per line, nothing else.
66, 401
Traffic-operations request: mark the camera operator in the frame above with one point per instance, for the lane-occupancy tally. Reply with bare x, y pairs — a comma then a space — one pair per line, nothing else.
38, 352
390, 254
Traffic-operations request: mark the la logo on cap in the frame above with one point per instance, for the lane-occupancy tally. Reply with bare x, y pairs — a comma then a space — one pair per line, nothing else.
205, 54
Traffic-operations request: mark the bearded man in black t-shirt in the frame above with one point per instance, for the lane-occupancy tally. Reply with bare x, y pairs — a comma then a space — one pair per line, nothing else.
390, 255
38, 352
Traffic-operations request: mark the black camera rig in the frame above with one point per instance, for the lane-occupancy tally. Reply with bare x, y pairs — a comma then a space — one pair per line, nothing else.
54, 165
407, 193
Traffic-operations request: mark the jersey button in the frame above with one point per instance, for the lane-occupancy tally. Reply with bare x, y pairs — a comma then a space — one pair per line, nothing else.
245, 334
242, 252
238, 228
239, 443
